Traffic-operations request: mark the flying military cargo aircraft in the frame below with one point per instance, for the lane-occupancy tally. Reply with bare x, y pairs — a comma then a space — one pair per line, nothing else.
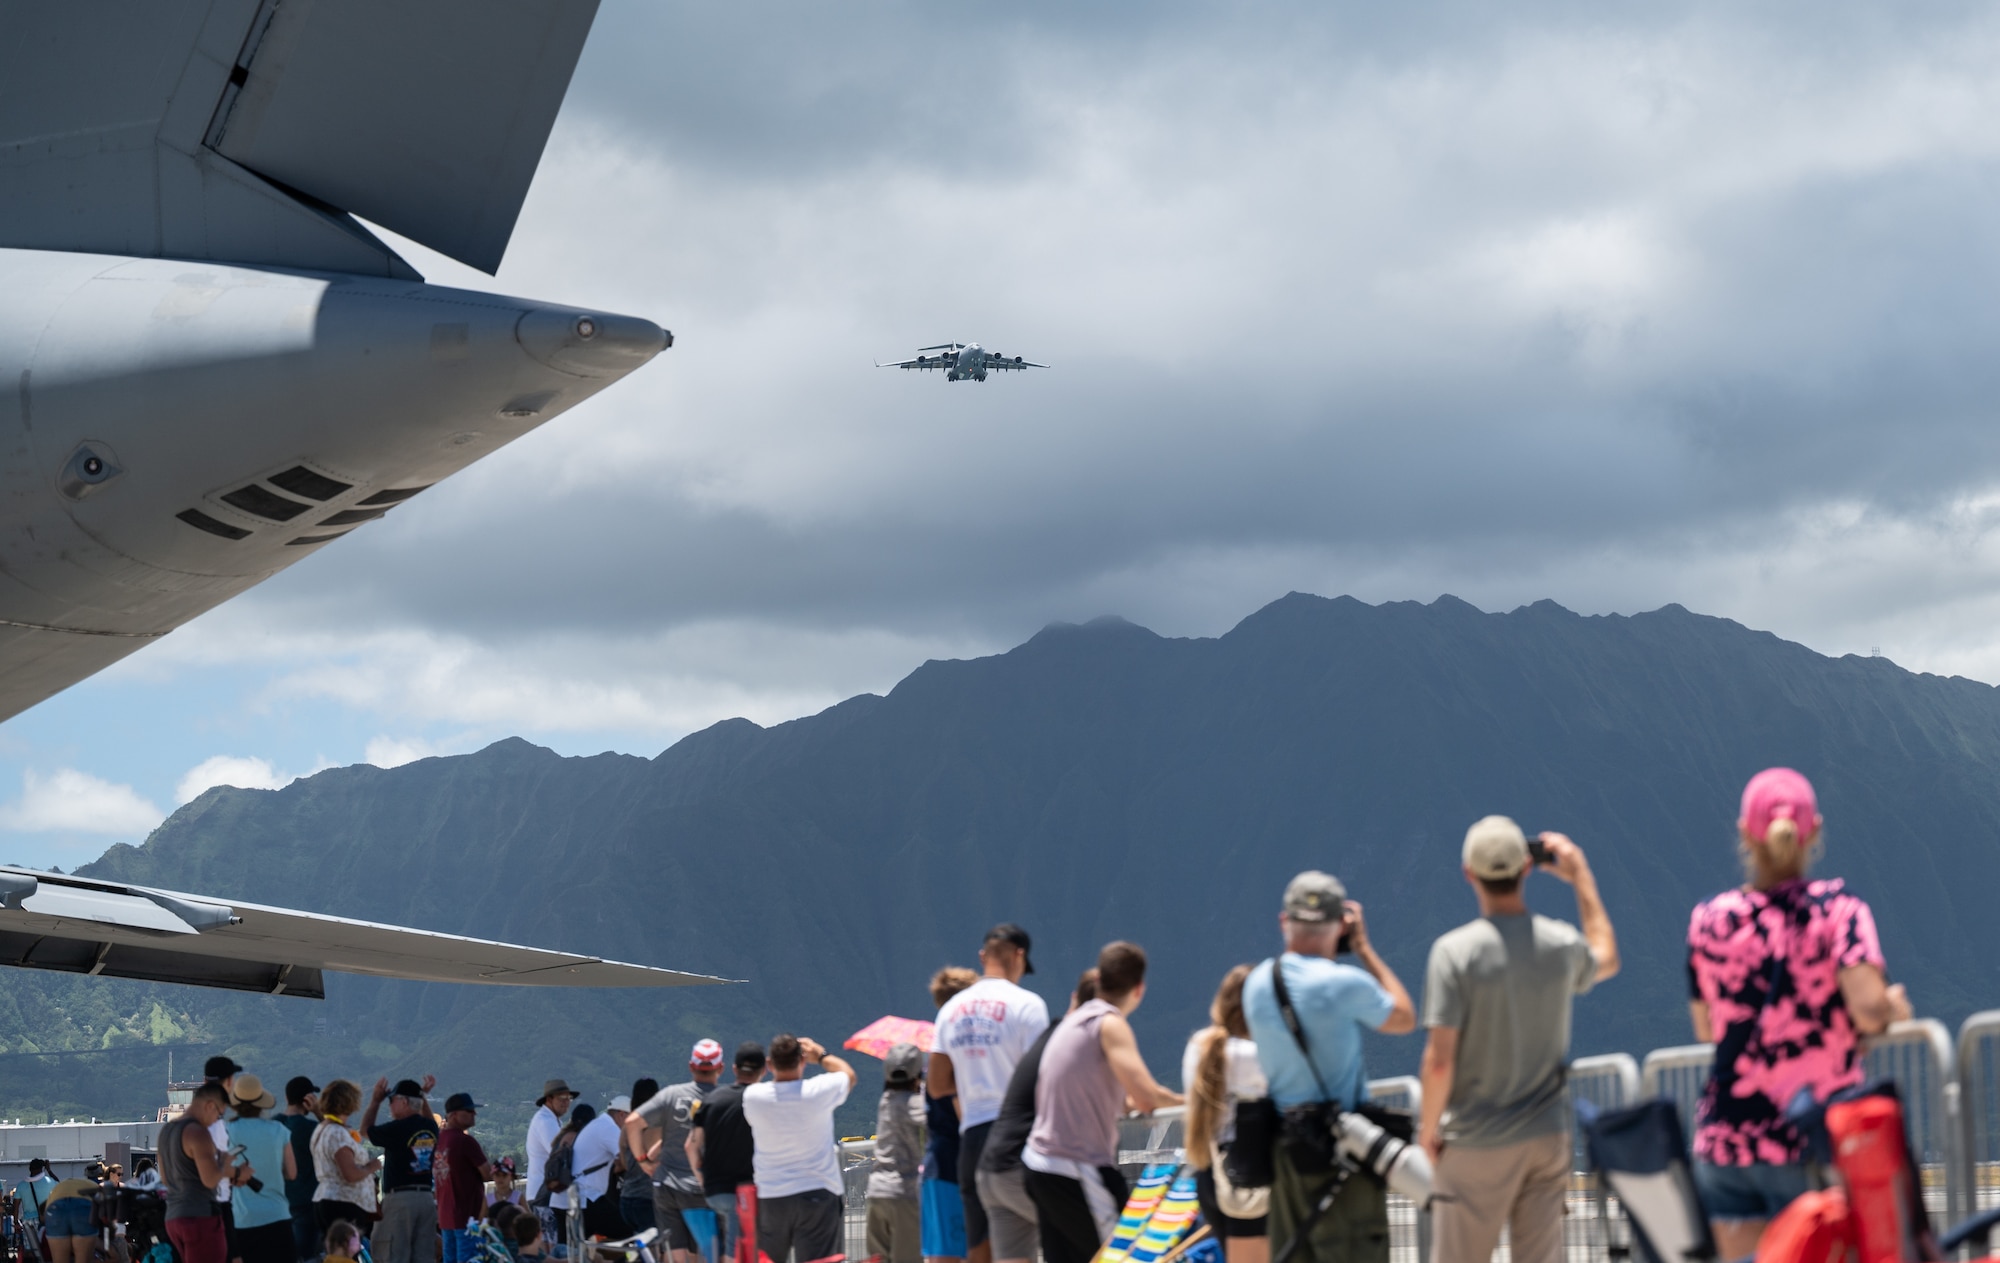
963, 360
209, 367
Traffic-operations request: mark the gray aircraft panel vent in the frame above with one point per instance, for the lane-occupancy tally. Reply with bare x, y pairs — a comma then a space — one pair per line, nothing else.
203, 522
395, 495
314, 539
309, 483
259, 502
347, 517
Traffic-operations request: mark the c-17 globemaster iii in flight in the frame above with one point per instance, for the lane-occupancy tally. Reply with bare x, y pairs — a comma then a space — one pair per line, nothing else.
963, 359
211, 368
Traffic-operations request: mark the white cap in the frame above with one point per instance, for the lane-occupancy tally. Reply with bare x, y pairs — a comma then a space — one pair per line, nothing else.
1496, 849
620, 1103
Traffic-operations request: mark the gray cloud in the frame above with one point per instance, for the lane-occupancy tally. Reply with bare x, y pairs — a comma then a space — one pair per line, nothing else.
1532, 301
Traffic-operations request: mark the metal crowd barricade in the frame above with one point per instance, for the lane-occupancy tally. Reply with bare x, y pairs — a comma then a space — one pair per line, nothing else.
1979, 1109
1607, 1082
1593, 1226
857, 1162
1677, 1074
1144, 1139
1409, 1229
1918, 1056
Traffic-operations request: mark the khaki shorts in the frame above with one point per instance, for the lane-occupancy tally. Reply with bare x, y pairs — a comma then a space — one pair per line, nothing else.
1520, 1186
1012, 1224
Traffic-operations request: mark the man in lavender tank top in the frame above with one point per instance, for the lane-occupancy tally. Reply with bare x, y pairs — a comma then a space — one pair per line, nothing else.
1090, 1066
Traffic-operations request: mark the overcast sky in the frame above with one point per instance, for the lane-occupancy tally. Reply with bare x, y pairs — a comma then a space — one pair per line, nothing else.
1617, 305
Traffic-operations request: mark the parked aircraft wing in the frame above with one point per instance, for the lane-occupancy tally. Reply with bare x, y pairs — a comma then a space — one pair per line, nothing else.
82, 925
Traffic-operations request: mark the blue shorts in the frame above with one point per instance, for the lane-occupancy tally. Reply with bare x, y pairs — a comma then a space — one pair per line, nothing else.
1758, 1191
944, 1220
69, 1217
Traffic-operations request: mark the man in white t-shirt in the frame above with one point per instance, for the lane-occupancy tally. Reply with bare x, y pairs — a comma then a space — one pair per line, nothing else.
982, 1033
799, 1191
543, 1129
591, 1160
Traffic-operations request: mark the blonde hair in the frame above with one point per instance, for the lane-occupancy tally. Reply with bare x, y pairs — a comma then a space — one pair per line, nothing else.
1208, 1095
340, 1098
949, 981
1784, 855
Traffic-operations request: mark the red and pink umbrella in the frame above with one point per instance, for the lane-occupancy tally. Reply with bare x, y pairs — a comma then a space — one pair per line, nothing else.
884, 1033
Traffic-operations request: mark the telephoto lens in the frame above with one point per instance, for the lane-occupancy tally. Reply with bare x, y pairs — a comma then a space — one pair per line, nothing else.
1404, 1167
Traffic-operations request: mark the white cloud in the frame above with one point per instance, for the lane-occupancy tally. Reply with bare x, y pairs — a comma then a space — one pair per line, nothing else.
229, 769
386, 752
67, 800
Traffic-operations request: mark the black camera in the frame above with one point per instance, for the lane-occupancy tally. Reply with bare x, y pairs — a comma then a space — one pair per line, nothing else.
1345, 943
1538, 853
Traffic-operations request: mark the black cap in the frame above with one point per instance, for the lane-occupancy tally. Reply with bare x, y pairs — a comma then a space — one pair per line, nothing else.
750, 1055
298, 1089
408, 1087
219, 1068
460, 1101
1008, 932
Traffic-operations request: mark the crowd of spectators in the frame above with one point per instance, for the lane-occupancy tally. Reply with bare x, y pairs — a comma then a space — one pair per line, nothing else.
1001, 1144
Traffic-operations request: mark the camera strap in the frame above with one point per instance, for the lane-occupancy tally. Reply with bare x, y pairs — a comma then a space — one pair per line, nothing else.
1292, 1023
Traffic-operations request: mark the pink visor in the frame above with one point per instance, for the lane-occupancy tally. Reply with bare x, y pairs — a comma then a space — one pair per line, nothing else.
1778, 793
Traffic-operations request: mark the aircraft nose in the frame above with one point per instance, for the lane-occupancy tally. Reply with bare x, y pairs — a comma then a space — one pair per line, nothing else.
588, 343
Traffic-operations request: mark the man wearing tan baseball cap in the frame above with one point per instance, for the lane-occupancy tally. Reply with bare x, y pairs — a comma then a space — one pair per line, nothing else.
1497, 1004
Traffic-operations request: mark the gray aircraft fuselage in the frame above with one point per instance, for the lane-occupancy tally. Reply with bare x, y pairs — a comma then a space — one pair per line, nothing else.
173, 432
211, 366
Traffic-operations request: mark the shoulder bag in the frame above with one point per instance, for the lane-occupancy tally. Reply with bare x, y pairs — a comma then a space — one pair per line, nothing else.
1238, 1198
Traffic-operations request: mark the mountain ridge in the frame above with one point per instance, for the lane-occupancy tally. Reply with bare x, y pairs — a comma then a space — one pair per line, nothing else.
1099, 780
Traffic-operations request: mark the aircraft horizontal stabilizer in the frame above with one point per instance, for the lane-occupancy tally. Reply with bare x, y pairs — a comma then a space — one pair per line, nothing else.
82, 925
427, 118
252, 131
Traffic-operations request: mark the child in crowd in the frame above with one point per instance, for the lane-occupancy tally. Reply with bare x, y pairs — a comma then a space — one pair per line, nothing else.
528, 1243
343, 1243
895, 1221
503, 1189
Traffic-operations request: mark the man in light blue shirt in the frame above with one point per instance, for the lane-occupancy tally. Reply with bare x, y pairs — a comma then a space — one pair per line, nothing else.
34, 1191
1335, 1002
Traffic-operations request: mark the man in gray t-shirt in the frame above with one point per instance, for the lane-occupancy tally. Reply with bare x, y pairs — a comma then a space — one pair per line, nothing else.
675, 1185
1497, 1005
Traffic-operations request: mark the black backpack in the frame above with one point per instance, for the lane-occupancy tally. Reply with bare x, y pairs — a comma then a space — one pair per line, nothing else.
558, 1171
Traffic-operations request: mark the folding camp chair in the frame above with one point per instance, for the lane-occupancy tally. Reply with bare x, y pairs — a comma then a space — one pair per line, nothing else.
1641, 1156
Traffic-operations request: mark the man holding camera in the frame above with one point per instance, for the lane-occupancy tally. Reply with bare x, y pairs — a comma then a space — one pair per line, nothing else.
1318, 1072
1497, 1001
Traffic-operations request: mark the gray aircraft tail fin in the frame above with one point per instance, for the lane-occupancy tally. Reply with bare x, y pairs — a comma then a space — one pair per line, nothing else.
248, 130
